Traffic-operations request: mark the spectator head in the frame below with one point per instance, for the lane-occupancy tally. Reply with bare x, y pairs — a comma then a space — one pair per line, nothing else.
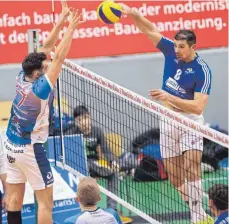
83, 119
218, 198
88, 193
185, 44
35, 65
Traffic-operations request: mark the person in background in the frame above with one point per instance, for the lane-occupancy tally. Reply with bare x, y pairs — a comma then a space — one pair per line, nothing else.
100, 159
88, 196
218, 202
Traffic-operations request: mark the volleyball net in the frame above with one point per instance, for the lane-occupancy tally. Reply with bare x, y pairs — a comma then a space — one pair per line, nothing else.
132, 126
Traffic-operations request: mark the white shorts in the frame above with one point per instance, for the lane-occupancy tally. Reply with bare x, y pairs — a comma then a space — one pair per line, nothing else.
28, 163
175, 140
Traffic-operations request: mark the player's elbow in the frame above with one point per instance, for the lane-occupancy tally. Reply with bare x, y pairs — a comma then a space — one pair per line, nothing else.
45, 50
150, 32
198, 111
58, 59
154, 36
199, 105
58, 55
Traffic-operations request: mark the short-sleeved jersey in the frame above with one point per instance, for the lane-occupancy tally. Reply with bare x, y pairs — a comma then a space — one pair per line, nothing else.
223, 218
183, 79
99, 216
29, 120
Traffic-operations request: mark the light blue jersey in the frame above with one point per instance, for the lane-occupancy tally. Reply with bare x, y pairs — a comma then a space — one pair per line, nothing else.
183, 79
99, 216
29, 120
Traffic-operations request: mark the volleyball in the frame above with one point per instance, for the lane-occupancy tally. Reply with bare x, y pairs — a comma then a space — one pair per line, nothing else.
109, 12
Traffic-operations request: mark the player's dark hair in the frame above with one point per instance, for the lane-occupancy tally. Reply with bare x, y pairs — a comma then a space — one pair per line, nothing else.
187, 35
218, 193
80, 110
33, 62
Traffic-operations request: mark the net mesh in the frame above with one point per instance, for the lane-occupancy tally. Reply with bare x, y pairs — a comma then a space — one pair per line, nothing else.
131, 126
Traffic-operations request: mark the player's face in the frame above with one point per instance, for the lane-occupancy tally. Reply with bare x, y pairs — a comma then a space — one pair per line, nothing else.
183, 50
84, 123
45, 66
43, 70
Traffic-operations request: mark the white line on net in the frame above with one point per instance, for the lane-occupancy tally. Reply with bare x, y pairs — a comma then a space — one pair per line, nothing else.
145, 103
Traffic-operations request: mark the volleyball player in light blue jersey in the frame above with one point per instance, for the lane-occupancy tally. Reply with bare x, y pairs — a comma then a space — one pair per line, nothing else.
186, 87
29, 123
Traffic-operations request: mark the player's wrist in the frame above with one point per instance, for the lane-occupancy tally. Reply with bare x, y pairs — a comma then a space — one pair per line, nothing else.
170, 98
134, 13
71, 29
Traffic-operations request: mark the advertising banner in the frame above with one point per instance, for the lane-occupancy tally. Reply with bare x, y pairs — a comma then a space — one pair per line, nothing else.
209, 19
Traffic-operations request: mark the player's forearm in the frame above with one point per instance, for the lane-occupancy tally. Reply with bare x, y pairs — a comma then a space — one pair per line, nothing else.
188, 106
146, 27
64, 46
142, 23
59, 56
52, 38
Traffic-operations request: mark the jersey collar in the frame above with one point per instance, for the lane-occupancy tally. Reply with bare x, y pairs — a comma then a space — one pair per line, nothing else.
186, 63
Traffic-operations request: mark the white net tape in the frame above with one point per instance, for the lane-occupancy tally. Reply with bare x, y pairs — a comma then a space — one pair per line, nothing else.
152, 106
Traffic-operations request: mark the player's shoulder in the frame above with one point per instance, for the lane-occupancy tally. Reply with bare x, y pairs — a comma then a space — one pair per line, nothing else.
21, 72
20, 75
22, 83
42, 87
81, 217
201, 64
166, 40
166, 46
111, 211
78, 218
73, 219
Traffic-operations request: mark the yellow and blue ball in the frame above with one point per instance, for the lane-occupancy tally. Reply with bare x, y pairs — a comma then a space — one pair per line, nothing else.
109, 12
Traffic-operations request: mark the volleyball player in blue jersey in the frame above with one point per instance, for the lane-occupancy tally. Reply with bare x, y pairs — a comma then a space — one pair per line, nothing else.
29, 123
185, 89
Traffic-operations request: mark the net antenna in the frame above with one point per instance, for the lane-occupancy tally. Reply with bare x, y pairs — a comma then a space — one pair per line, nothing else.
59, 97
33, 46
33, 40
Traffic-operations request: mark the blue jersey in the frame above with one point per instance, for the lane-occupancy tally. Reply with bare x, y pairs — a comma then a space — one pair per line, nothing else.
223, 218
99, 216
183, 79
29, 120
